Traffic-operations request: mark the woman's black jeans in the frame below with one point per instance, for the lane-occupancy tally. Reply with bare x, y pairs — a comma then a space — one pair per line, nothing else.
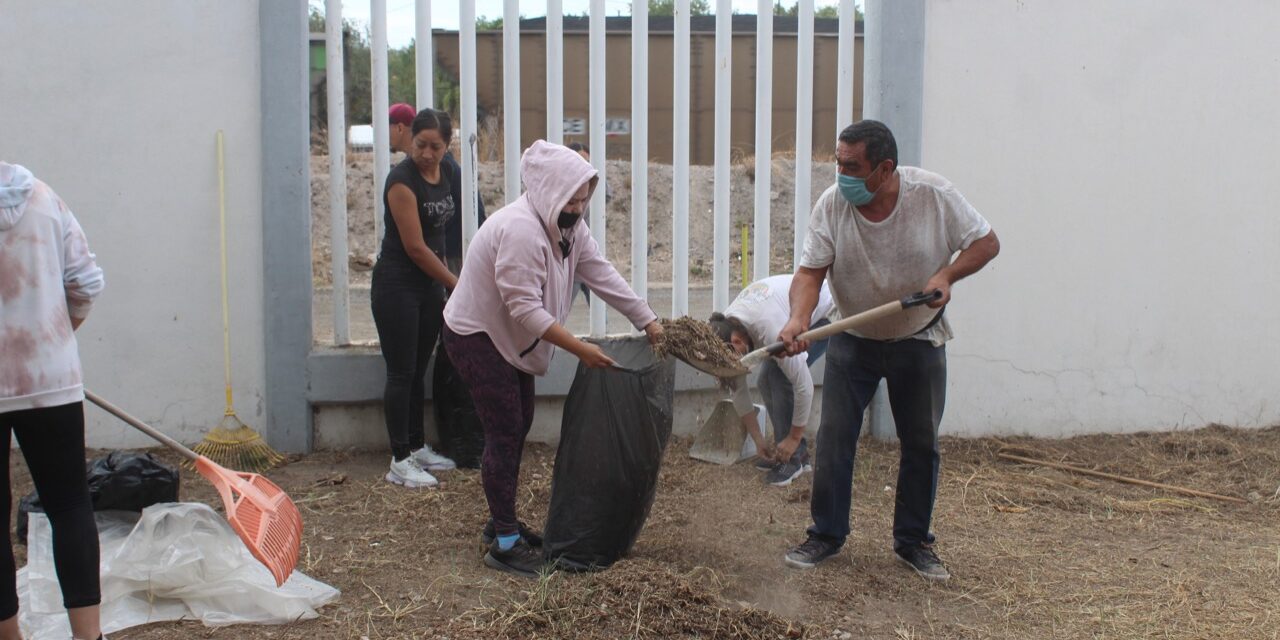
408, 309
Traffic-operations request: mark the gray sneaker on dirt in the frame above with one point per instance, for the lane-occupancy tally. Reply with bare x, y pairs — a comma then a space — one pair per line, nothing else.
924, 562
528, 534
783, 474
809, 554
764, 464
521, 559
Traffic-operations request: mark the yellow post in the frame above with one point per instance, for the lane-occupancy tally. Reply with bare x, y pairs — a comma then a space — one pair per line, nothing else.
746, 242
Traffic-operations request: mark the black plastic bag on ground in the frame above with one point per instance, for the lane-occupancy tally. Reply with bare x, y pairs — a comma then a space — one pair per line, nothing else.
459, 428
615, 428
119, 481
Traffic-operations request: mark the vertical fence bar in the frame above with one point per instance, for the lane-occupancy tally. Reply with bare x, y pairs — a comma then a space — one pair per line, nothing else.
424, 55
680, 167
640, 148
597, 142
845, 64
555, 72
724, 68
381, 122
764, 135
871, 84
467, 82
511, 97
804, 126
336, 106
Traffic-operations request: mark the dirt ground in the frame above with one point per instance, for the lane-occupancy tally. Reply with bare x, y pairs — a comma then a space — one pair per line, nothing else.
1034, 552
361, 192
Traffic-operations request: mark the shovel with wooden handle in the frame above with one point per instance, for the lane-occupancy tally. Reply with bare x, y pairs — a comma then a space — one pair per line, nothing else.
758, 356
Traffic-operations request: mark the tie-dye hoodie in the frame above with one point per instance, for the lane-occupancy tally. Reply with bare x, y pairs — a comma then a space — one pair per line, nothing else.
47, 277
516, 283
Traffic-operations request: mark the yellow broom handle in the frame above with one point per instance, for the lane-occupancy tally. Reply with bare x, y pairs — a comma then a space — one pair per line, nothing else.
222, 226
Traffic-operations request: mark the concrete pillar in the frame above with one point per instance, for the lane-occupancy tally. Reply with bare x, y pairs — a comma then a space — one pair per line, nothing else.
893, 93
286, 222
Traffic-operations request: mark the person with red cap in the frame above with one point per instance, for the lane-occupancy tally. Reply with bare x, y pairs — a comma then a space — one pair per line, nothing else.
402, 115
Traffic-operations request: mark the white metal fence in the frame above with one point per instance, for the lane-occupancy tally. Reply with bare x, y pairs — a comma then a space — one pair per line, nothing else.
596, 128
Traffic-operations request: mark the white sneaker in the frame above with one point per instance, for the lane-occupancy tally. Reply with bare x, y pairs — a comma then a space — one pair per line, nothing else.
430, 460
407, 473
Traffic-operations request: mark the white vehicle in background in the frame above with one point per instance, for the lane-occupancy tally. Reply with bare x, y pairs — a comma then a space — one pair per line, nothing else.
360, 137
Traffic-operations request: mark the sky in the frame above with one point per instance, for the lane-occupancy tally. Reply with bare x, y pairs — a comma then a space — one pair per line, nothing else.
444, 14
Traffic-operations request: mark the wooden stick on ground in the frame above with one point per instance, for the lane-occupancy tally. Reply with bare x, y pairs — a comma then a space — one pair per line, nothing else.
1125, 479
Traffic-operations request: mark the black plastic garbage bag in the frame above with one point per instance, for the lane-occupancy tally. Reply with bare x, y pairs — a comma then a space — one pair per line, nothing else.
461, 434
119, 481
615, 428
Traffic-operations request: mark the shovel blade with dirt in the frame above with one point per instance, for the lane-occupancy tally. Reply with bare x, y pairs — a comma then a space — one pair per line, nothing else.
694, 343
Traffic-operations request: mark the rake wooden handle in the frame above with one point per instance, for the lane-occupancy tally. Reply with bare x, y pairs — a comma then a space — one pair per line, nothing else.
141, 426
887, 309
1117, 478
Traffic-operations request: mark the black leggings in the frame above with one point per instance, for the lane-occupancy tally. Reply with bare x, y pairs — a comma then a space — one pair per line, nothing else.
408, 311
52, 441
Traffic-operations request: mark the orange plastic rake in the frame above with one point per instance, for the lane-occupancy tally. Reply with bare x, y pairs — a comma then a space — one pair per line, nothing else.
260, 512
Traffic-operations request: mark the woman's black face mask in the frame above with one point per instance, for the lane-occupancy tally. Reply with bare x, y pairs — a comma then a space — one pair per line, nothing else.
567, 220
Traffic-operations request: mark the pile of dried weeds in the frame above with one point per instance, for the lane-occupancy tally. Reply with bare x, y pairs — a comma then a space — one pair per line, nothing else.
634, 599
694, 341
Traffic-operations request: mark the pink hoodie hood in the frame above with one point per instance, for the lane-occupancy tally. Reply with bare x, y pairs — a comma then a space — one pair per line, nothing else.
516, 283
552, 173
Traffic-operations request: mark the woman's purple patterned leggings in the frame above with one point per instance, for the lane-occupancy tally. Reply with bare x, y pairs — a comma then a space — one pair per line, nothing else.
503, 397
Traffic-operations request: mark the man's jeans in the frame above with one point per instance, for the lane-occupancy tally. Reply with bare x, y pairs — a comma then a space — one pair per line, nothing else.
916, 374
779, 395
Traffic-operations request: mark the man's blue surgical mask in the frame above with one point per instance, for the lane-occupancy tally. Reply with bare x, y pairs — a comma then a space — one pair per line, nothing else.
854, 190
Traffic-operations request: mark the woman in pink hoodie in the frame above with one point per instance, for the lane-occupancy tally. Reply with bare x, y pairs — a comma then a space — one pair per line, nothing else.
48, 280
507, 315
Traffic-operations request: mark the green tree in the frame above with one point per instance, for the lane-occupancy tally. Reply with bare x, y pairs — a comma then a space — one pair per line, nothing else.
402, 80
829, 11
668, 7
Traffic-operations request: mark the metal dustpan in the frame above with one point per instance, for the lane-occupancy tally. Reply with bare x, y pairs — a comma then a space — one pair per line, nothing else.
721, 439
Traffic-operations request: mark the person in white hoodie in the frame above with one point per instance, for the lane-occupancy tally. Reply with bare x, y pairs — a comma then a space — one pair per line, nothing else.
48, 280
750, 322
507, 314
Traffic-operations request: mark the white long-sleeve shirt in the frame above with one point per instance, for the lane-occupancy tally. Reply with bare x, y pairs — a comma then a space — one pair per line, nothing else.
47, 277
763, 308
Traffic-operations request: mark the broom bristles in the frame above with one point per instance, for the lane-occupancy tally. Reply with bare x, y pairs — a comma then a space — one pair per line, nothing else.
235, 445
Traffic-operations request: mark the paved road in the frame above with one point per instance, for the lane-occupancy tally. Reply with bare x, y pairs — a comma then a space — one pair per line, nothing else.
363, 330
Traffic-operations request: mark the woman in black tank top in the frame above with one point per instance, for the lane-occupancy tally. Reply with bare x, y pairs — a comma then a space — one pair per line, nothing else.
410, 282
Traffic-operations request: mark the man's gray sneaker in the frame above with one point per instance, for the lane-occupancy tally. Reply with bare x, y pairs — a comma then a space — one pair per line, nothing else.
783, 474
924, 562
810, 553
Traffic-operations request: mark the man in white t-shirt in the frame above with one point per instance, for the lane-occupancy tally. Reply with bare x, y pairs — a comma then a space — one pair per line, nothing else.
753, 320
882, 232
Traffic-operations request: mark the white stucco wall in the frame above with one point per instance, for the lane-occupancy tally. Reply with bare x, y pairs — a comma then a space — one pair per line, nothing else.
115, 105
1126, 153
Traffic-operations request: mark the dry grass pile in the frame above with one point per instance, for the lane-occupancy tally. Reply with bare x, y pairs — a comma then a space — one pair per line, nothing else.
635, 599
1124, 561
1234, 463
694, 341
1034, 552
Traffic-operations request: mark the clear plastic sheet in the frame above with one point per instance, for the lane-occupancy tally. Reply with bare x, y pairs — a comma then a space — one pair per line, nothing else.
173, 561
